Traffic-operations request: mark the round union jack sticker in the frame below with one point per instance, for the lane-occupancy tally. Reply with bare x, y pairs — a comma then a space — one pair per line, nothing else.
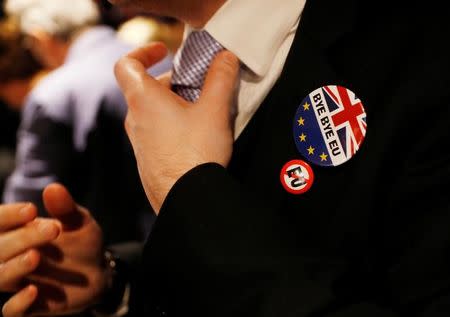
330, 126
297, 177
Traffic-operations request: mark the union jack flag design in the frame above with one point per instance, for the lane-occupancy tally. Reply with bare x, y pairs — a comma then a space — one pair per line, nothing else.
330, 125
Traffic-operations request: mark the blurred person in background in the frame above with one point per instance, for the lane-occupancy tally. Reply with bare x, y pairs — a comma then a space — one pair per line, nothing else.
19, 72
139, 27
72, 123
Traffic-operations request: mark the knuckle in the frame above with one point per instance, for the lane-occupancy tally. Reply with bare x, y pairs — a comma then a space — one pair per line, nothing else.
224, 68
32, 235
127, 127
132, 99
127, 124
130, 124
28, 261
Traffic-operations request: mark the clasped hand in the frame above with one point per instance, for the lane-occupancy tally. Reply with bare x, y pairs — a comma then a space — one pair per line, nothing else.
52, 266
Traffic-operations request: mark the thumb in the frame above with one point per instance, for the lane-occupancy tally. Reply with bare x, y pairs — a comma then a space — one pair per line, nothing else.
131, 70
60, 205
220, 84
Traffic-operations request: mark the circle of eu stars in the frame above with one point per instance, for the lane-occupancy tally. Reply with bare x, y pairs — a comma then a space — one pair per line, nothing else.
304, 137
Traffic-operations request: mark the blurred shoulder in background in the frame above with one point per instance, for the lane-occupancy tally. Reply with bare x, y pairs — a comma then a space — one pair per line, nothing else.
19, 74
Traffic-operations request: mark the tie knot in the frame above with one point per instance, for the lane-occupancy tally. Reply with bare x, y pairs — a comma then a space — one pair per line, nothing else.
192, 62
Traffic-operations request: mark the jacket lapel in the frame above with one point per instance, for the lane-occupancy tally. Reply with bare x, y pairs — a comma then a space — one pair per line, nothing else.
307, 67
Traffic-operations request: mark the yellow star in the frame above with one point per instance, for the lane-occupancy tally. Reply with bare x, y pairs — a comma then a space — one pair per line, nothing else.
301, 121
306, 106
302, 137
324, 157
311, 150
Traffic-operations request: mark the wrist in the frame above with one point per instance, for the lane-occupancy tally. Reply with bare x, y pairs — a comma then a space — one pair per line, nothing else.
115, 296
158, 189
160, 185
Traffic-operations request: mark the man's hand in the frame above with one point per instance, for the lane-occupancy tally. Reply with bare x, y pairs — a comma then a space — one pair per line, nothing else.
53, 266
170, 136
20, 234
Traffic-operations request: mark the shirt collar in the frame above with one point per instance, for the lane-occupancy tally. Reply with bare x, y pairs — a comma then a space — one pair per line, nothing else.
254, 30
87, 41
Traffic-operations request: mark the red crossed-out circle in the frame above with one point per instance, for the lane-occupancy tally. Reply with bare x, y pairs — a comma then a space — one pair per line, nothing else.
297, 177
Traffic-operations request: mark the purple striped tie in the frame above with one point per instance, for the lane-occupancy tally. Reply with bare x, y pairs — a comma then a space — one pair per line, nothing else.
191, 64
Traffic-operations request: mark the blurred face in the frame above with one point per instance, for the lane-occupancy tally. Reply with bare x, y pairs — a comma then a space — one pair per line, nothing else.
48, 50
194, 12
14, 93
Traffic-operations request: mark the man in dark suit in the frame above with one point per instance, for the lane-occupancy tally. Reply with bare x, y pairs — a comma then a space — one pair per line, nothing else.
370, 237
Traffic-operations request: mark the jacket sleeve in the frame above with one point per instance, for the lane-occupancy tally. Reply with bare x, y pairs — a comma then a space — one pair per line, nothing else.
213, 244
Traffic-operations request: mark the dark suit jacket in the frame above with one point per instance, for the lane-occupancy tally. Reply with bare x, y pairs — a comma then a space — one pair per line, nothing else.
372, 236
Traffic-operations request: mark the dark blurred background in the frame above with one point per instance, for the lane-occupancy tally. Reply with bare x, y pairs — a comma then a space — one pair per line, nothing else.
9, 121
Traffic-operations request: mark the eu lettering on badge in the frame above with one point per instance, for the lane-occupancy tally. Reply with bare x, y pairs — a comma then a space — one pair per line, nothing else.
297, 177
330, 125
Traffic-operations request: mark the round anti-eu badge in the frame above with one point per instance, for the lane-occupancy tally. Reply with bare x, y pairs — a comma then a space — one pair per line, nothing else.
297, 177
330, 126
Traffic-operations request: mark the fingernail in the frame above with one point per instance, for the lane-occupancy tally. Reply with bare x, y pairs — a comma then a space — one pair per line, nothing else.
230, 57
48, 230
24, 212
30, 290
26, 258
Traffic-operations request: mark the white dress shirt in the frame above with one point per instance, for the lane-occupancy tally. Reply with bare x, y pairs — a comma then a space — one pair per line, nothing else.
260, 33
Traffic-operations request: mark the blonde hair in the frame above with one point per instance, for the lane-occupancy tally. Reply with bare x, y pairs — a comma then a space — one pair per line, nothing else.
59, 18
